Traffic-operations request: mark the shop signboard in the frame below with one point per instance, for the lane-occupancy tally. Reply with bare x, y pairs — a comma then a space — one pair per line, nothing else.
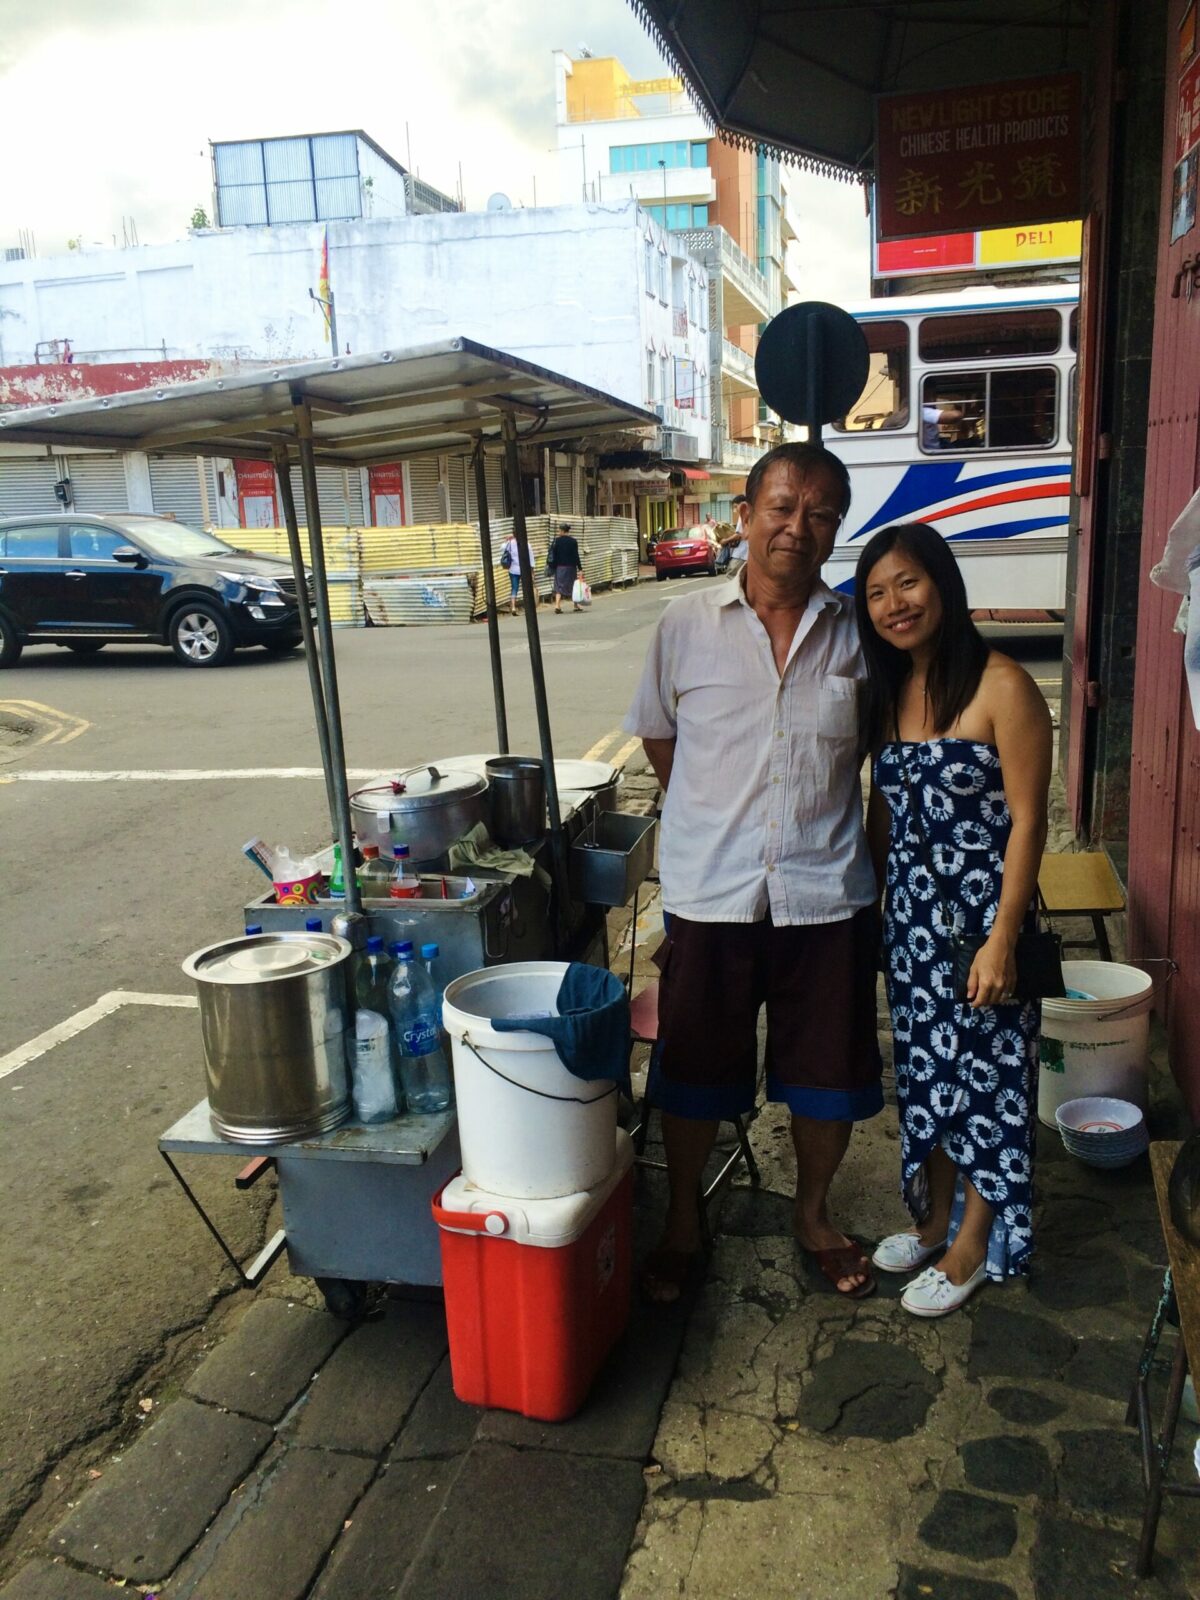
1186, 176
257, 506
994, 156
1038, 245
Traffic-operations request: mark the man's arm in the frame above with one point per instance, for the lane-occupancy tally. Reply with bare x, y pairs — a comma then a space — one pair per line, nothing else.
660, 753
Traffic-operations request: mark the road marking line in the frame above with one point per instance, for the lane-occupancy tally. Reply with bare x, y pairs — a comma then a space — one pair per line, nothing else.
61, 727
96, 1012
173, 775
601, 744
624, 753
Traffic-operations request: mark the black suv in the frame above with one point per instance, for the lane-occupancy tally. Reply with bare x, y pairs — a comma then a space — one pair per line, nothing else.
85, 581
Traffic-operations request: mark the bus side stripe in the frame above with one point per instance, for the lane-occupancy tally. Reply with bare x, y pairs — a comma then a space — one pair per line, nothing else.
931, 482
1030, 491
1007, 530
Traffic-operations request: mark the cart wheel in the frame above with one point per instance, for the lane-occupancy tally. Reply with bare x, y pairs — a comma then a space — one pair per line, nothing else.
344, 1297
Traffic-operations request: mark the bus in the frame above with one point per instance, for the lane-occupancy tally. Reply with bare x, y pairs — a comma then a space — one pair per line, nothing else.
967, 422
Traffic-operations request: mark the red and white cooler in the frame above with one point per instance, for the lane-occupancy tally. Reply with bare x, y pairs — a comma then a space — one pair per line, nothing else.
537, 1291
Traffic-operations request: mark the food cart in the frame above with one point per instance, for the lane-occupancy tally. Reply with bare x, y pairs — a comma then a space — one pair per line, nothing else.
356, 1199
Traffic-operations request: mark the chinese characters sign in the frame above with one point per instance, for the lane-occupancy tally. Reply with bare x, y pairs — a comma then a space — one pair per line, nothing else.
1001, 155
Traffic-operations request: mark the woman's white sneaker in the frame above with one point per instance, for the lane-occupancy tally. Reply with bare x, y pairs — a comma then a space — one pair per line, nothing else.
933, 1295
903, 1252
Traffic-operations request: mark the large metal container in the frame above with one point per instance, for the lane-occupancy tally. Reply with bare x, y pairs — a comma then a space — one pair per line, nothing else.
518, 795
611, 857
425, 808
276, 1017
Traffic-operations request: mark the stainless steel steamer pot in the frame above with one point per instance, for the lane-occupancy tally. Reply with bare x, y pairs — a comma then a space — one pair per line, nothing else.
277, 1020
425, 808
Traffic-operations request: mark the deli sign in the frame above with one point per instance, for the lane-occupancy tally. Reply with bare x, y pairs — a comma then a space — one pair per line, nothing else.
1000, 155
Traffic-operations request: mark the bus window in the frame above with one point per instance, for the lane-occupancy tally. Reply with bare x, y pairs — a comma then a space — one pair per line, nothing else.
884, 401
1003, 410
954, 411
983, 335
1073, 328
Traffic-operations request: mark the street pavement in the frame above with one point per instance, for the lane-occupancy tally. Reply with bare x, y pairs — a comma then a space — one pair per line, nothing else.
157, 1427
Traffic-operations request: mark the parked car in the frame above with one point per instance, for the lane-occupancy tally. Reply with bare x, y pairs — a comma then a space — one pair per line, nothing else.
677, 550
86, 581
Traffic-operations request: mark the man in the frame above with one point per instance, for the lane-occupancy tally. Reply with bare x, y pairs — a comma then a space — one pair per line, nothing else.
741, 549
748, 710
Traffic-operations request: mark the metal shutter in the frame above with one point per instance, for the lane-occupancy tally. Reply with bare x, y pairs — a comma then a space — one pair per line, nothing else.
97, 483
175, 488
564, 488
493, 472
336, 510
426, 499
457, 469
27, 485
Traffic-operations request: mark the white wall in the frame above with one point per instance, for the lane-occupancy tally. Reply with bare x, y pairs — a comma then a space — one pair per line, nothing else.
387, 196
561, 286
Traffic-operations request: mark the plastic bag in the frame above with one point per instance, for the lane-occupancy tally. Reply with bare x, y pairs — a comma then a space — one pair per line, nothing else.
581, 593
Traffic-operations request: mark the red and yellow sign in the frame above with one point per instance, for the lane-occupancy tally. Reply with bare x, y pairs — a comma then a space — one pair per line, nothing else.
997, 156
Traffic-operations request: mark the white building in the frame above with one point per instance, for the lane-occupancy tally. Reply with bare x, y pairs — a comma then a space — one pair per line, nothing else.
598, 292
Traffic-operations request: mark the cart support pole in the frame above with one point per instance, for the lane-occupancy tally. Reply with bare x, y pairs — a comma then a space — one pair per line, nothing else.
337, 749
489, 591
558, 843
311, 654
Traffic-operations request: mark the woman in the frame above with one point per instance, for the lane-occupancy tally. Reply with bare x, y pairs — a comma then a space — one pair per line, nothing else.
961, 741
510, 560
562, 559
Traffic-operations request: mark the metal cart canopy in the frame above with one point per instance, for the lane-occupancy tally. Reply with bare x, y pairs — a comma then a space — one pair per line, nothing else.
435, 397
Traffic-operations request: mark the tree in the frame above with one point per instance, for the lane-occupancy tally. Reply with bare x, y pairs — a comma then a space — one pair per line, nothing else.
200, 218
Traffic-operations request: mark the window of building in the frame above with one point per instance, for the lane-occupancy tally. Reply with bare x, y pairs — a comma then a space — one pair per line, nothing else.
678, 218
664, 276
663, 379
699, 153
311, 179
648, 157
94, 544
983, 335
649, 264
651, 376
884, 400
38, 543
1000, 410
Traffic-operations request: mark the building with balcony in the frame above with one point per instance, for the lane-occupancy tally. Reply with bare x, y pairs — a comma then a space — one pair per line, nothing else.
621, 137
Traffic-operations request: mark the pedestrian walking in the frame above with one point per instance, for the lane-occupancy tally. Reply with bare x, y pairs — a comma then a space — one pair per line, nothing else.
510, 560
741, 548
962, 746
748, 711
562, 559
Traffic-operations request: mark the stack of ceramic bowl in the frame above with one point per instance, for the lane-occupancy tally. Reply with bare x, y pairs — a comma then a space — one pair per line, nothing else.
1102, 1132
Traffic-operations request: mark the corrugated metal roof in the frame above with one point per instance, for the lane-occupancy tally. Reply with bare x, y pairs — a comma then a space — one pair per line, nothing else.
436, 397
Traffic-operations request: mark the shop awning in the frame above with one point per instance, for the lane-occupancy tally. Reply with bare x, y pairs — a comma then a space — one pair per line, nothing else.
363, 409
693, 474
799, 77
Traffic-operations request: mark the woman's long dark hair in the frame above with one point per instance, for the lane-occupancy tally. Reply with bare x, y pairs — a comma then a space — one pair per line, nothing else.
960, 652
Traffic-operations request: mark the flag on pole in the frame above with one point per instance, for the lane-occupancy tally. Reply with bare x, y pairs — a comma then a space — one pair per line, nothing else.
323, 282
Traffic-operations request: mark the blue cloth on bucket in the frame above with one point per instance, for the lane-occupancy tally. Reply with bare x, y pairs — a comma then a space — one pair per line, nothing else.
591, 1030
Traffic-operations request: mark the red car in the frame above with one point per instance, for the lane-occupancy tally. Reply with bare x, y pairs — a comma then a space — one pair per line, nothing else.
679, 550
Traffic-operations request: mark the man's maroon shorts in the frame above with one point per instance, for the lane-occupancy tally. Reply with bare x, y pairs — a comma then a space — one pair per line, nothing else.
818, 985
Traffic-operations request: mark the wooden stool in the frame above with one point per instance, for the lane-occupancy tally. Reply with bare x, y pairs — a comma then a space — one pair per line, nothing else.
643, 1029
1081, 884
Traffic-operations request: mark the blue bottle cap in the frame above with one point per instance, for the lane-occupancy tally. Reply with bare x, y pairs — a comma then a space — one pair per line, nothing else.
429, 952
374, 943
394, 948
400, 852
405, 947
253, 927
313, 925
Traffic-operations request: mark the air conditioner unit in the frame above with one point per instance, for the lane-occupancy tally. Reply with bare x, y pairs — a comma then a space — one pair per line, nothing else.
14, 252
680, 446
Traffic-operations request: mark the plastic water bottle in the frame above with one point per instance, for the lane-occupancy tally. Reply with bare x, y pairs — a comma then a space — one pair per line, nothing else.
424, 1069
429, 954
405, 885
373, 1076
376, 874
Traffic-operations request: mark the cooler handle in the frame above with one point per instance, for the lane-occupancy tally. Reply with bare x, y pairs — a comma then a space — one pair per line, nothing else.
493, 1222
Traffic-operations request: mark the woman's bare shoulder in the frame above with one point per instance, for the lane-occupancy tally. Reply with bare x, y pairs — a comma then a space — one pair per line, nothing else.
1006, 687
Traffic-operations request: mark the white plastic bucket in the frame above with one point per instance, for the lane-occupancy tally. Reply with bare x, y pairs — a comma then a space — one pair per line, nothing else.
527, 1127
1099, 1046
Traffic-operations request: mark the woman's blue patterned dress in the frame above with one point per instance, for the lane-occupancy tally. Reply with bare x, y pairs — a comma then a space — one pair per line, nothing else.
965, 1079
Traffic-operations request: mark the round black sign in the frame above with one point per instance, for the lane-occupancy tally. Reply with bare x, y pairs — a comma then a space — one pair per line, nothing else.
812, 363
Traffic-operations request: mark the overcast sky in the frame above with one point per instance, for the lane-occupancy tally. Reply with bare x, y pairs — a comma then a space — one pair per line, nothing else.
109, 106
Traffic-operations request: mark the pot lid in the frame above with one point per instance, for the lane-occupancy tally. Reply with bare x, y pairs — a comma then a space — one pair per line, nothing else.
584, 774
418, 788
262, 957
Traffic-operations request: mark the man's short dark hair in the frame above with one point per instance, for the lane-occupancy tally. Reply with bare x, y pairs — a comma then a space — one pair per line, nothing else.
564, 527
740, 500
803, 457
